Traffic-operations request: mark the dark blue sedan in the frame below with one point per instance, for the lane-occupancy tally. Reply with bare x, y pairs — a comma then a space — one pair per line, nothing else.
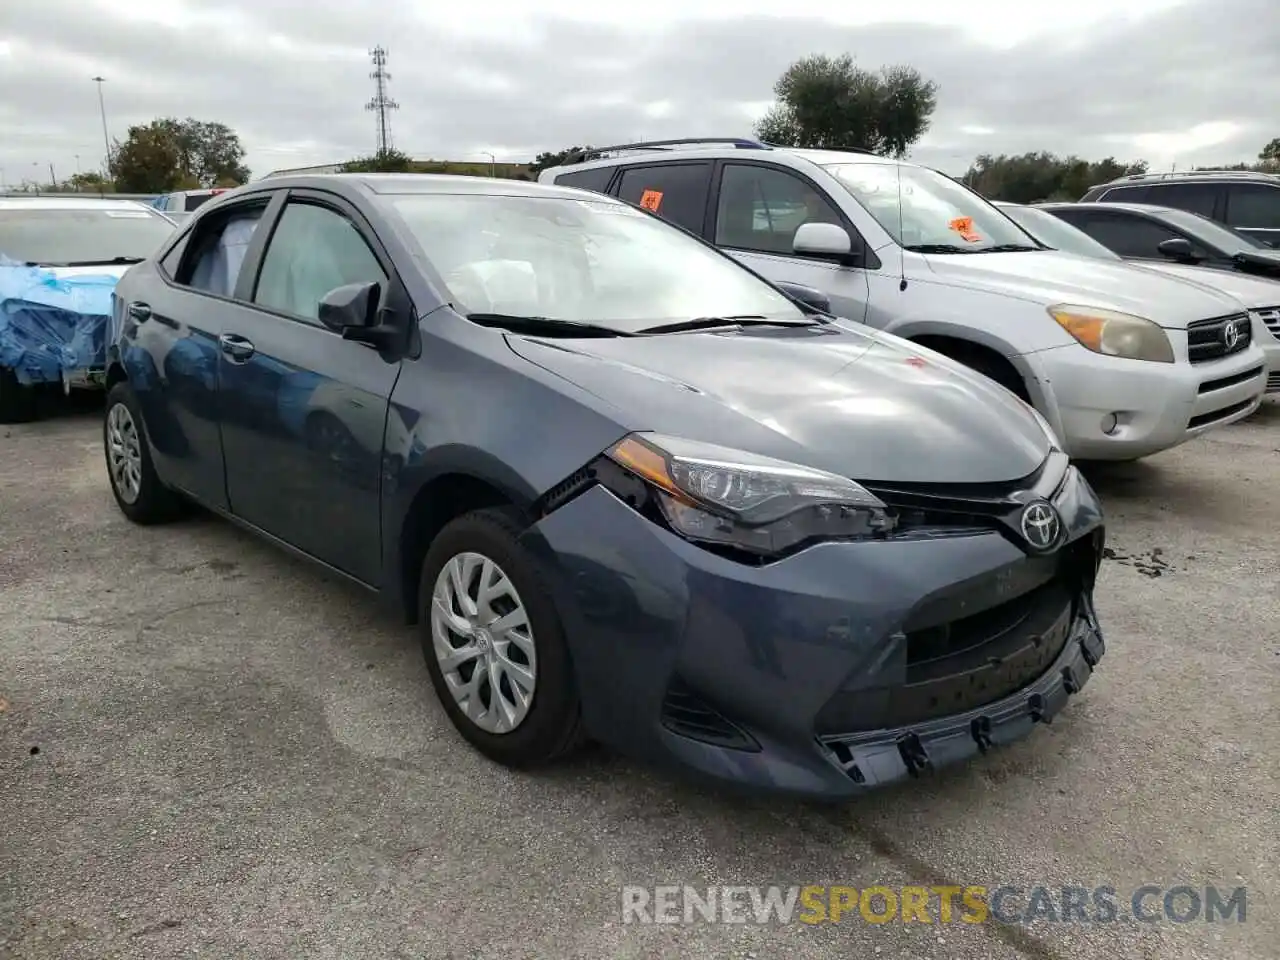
629, 490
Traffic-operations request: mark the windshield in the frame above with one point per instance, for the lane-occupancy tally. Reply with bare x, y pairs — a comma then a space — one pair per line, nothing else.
1057, 233
56, 237
586, 261
928, 209
1211, 232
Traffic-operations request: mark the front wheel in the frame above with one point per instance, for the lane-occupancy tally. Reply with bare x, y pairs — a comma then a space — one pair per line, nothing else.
494, 644
17, 400
137, 489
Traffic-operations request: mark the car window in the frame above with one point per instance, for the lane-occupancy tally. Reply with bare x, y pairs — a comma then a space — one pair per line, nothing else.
1058, 234
588, 260
1134, 194
674, 191
192, 201
760, 208
596, 179
1208, 233
216, 251
89, 235
1196, 197
313, 250
921, 207
1126, 235
1254, 205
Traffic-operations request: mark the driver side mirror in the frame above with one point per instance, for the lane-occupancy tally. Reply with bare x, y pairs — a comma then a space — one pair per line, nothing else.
1179, 248
829, 241
352, 311
353, 305
806, 296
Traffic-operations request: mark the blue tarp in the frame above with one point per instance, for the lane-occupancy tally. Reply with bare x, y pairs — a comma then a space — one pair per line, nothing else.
51, 326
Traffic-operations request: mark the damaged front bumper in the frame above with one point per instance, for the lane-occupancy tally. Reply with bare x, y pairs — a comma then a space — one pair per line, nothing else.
820, 674
53, 329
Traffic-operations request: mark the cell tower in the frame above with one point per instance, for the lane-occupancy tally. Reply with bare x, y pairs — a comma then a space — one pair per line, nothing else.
381, 104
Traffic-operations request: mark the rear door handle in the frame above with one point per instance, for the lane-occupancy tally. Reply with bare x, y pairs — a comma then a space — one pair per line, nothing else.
141, 312
236, 347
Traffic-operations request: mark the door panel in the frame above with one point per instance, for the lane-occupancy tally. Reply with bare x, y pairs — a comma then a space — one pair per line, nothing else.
304, 411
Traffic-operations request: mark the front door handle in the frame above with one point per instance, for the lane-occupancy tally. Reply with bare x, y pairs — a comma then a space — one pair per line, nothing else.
141, 312
236, 347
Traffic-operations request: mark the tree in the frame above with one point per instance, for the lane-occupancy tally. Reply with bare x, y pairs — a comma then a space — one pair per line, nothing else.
169, 154
384, 161
1271, 152
90, 183
828, 102
544, 161
1031, 177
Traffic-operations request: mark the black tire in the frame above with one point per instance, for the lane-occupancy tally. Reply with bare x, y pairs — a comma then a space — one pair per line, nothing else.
552, 728
154, 502
997, 369
17, 400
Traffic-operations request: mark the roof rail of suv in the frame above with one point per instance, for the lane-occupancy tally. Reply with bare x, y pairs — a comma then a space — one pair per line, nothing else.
740, 143
1180, 174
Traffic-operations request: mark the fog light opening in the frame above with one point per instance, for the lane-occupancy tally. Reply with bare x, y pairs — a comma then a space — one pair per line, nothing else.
1110, 423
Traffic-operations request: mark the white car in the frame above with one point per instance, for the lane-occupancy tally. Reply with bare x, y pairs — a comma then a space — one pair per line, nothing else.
1259, 294
63, 238
1121, 363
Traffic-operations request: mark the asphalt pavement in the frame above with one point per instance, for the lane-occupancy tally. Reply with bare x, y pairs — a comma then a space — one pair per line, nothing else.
209, 749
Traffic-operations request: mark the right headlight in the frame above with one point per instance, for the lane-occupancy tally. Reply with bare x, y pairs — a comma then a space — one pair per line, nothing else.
718, 495
1114, 334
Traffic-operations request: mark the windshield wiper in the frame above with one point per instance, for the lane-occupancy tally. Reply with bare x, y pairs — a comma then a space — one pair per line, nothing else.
1008, 248
100, 263
938, 248
725, 323
549, 326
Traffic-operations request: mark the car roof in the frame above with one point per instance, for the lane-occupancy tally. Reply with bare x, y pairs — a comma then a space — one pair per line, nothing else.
389, 184
1150, 208
720, 151
68, 203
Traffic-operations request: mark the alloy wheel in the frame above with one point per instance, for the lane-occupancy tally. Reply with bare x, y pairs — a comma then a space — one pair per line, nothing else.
484, 643
124, 453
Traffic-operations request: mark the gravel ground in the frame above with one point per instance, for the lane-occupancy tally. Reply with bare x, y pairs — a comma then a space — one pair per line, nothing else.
208, 749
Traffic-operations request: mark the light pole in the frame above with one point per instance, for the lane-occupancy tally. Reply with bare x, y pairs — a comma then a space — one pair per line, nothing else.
106, 140
493, 163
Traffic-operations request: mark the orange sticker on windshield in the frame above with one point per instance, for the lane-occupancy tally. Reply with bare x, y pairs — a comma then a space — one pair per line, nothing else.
651, 200
964, 227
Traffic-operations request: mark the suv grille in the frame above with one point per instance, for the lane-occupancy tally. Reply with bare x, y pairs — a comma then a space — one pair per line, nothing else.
1218, 337
1270, 317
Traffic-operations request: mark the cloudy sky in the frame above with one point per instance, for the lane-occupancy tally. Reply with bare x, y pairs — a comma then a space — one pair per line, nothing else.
1171, 81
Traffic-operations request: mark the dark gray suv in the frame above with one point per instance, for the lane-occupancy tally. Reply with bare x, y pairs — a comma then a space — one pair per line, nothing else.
628, 489
1248, 201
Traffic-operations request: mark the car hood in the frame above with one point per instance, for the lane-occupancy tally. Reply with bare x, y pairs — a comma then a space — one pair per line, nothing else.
859, 404
104, 270
1050, 277
1253, 292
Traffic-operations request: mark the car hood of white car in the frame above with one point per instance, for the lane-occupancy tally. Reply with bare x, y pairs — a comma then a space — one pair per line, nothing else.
1050, 277
101, 270
1253, 292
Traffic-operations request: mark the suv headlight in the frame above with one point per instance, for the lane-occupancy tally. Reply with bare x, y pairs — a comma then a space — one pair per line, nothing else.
1114, 334
717, 495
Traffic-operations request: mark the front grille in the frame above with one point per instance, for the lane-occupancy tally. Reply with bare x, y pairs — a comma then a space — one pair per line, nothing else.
1209, 386
1270, 317
1273, 382
1219, 337
1213, 416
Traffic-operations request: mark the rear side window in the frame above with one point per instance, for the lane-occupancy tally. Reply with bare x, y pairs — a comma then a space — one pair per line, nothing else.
1125, 195
1253, 205
674, 191
596, 179
1193, 197
1128, 236
193, 200
216, 250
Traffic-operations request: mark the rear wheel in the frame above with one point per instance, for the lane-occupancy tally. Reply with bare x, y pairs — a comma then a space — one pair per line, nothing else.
137, 489
17, 400
494, 644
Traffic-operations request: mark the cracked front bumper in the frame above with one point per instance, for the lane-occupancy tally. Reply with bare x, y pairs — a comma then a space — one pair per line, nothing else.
814, 675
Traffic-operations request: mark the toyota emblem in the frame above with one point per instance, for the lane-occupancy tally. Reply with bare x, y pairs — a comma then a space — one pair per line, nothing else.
1041, 526
1231, 334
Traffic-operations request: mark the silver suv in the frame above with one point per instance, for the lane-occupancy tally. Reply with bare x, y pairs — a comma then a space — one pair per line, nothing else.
1121, 362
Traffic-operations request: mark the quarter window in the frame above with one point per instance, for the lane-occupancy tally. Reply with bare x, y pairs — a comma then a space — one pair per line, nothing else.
1125, 195
674, 191
760, 208
597, 179
312, 251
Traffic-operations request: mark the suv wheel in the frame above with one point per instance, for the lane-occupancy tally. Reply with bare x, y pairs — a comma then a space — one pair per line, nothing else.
494, 644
